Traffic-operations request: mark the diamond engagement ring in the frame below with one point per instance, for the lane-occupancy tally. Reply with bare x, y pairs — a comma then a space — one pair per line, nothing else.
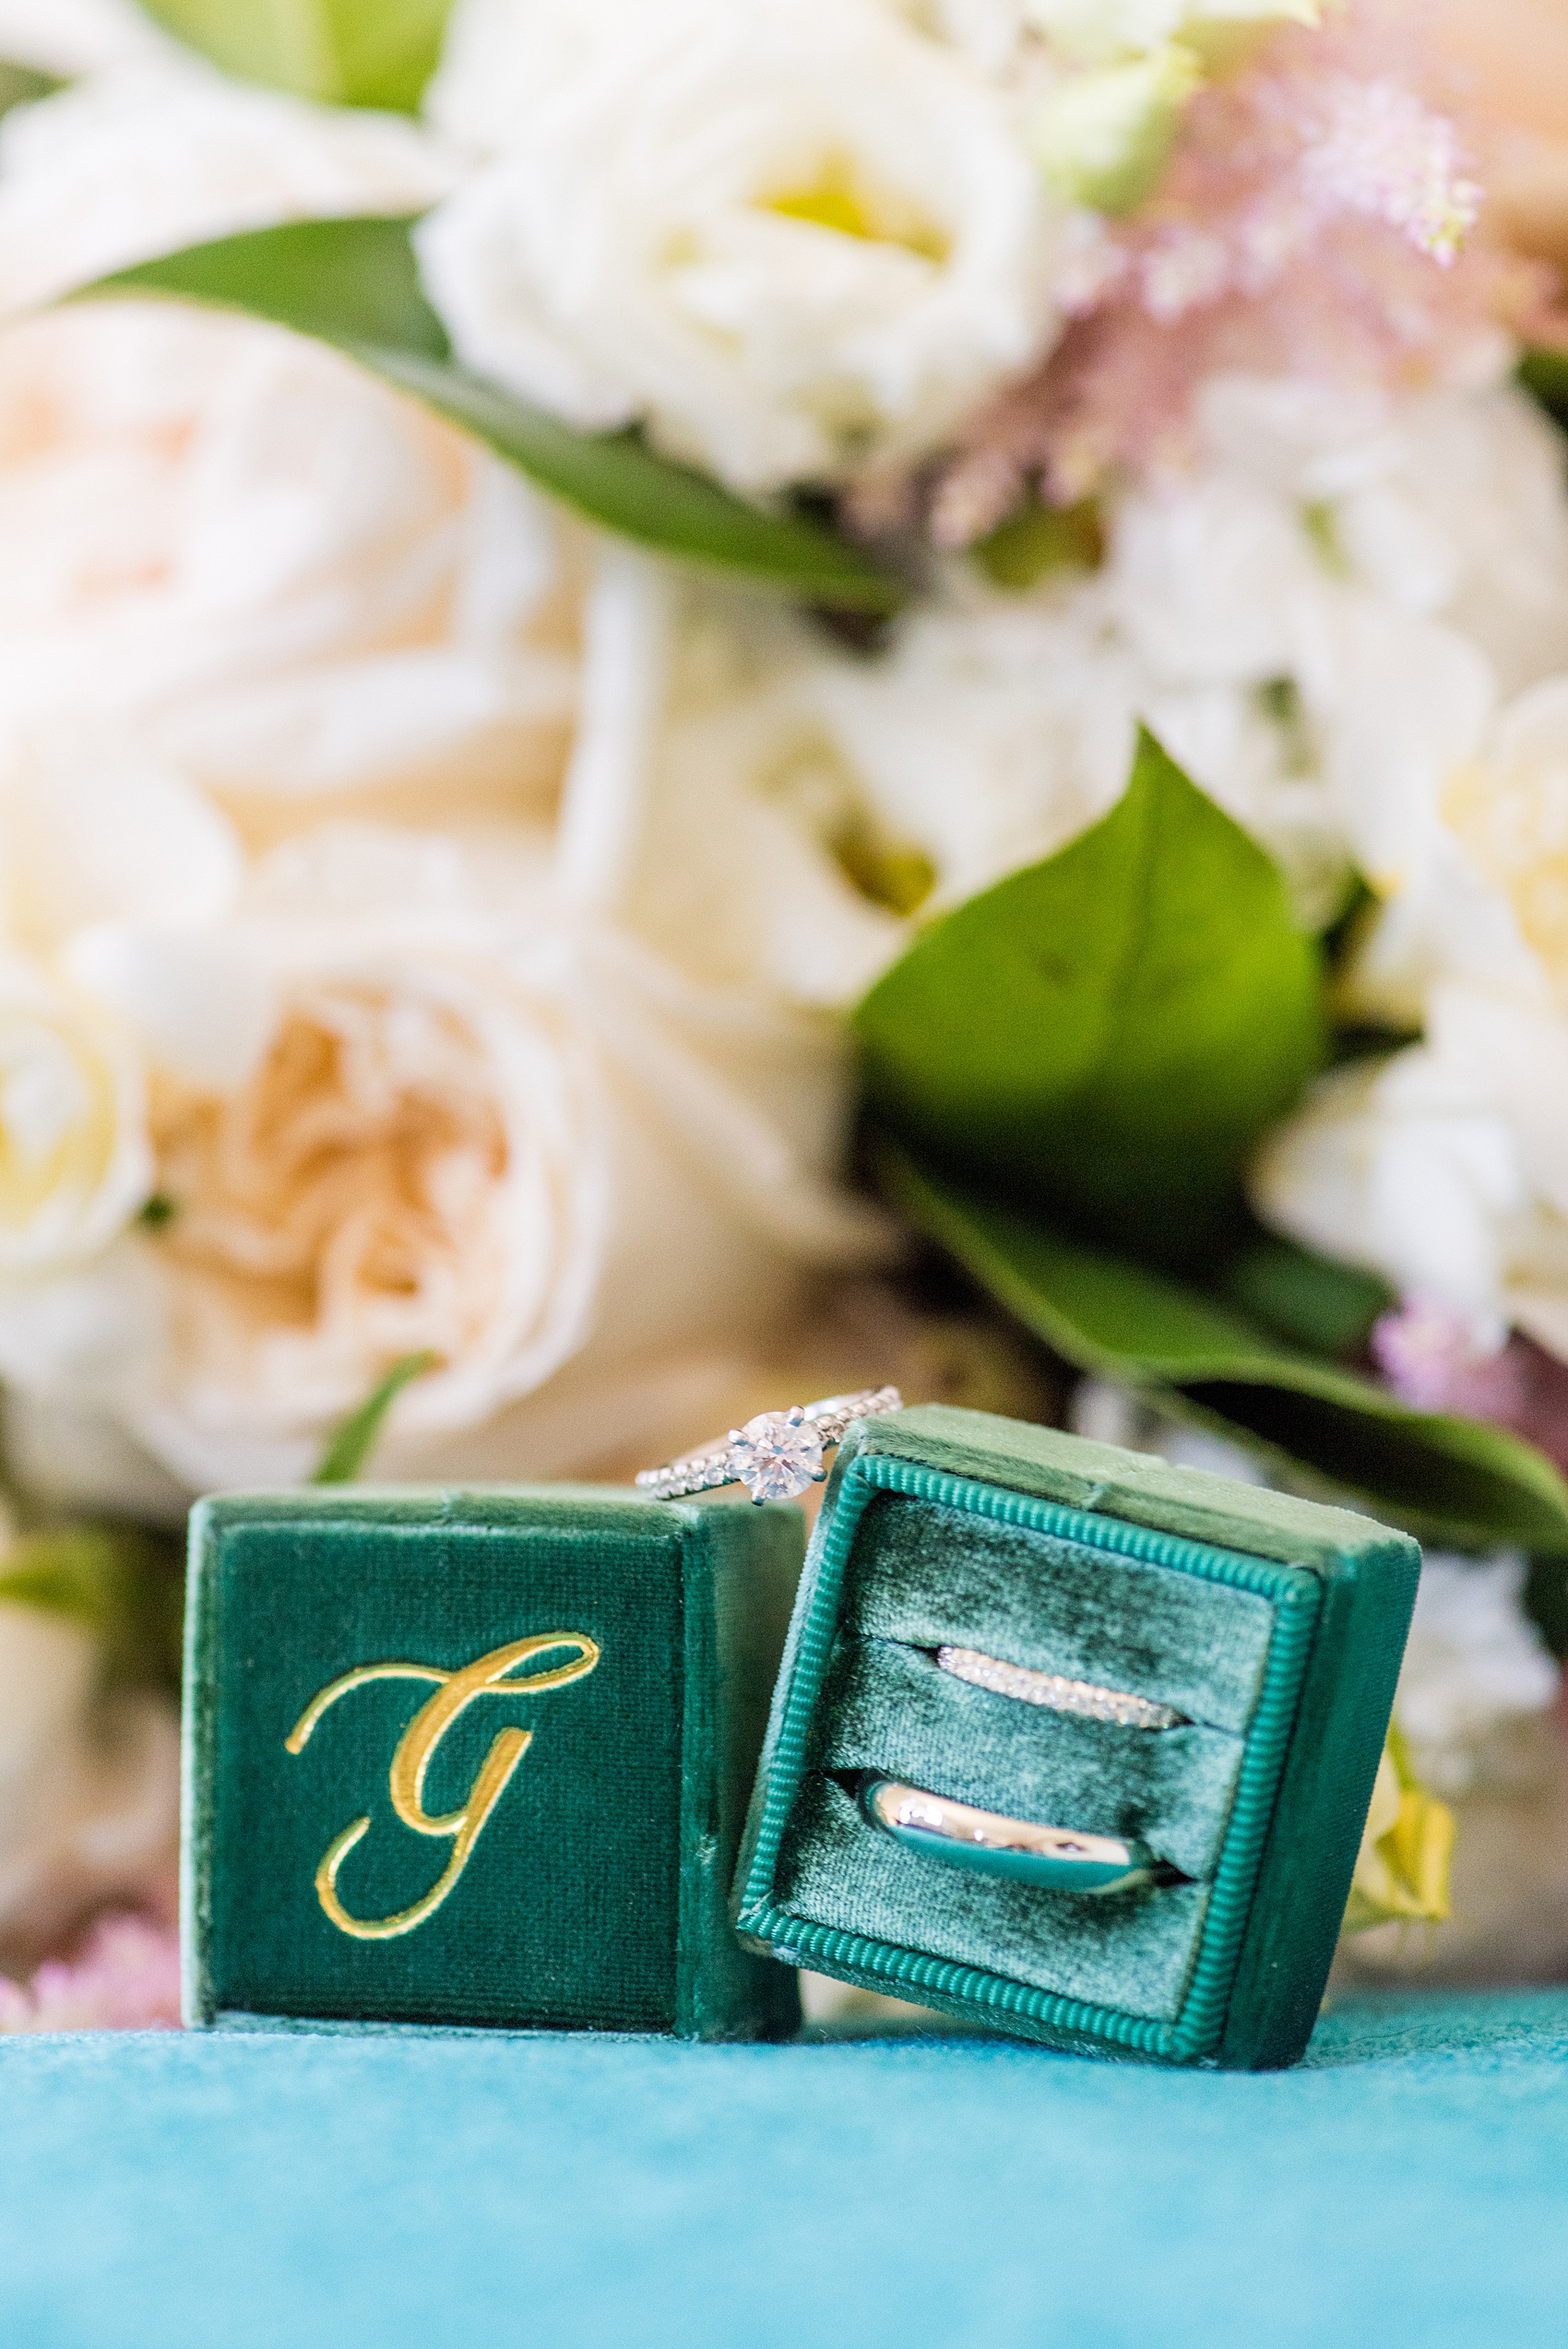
1090, 1701
776, 1455
1057, 1859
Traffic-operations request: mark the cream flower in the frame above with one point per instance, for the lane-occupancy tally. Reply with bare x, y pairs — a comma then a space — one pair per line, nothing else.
477, 1127
152, 155
796, 238
89, 1787
75, 1165
284, 577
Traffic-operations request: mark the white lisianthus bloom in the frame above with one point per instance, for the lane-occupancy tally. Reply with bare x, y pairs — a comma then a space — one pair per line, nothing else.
79, 36
141, 161
1404, 1167
1474, 1664
478, 1126
796, 238
279, 573
1375, 571
806, 811
1448, 1170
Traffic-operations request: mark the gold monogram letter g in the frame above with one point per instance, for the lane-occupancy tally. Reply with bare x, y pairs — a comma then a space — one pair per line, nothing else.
487, 1676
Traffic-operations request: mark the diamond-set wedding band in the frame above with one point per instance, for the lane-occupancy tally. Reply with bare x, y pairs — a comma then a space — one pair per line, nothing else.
776, 1455
1054, 1859
1049, 1689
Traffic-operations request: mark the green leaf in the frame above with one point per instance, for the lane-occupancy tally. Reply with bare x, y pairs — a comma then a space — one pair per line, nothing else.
347, 53
1105, 1036
122, 1582
1448, 1479
1040, 540
24, 85
354, 283
352, 1446
1326, 1308
1544, 373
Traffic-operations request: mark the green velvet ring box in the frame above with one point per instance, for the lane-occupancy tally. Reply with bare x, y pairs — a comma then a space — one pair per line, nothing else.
1274, 1627
478, 1758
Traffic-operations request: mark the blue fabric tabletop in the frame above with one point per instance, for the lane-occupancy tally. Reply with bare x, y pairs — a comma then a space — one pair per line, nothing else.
1407, 2185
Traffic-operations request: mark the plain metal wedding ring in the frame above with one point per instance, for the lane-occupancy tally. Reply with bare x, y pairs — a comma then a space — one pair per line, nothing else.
776, 1455
1058, 1859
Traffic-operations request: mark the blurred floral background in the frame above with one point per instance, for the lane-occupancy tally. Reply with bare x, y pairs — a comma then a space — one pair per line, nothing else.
703, 703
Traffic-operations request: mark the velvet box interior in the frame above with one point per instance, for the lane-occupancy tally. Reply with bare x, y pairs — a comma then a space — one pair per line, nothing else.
478, 1757
1274, 1627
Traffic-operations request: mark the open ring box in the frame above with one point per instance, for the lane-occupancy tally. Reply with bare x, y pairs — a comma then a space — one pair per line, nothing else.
481, 1757
1274, 1625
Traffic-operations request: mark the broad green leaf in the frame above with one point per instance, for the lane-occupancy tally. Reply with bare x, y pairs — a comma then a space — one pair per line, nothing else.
351, 1447
1105, 1035
1446, 1478
349, 52
24, 85
1328, 1308
353, 283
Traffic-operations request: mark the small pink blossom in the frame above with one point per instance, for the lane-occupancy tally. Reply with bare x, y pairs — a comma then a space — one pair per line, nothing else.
123, 1977
1310, 225
1429, 1356
1382, 154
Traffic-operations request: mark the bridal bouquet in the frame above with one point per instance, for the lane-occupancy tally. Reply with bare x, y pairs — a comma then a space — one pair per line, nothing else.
655, 652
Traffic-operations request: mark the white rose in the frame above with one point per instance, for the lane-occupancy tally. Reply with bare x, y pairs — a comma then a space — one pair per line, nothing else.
797, 238
139, 161
480, 1126
279, 575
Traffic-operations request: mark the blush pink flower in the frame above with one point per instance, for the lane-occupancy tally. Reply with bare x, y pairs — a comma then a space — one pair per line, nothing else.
1315, 222
123, 1977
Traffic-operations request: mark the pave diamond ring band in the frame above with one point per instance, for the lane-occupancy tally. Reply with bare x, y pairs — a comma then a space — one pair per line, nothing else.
776, 1455
1082, 1697
1057, 1859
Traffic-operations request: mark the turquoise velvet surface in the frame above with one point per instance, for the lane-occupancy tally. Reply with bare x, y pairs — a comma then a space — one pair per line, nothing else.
1404, 2190
922, 1573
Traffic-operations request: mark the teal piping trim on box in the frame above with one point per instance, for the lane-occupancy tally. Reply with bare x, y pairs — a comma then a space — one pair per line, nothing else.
1295, 1594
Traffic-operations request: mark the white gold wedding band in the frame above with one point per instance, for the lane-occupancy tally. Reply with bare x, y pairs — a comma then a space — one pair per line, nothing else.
1049, 1689
776, 1455
1056, 1859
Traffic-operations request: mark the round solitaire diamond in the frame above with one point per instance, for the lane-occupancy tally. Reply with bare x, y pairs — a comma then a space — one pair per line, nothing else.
777, 1454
